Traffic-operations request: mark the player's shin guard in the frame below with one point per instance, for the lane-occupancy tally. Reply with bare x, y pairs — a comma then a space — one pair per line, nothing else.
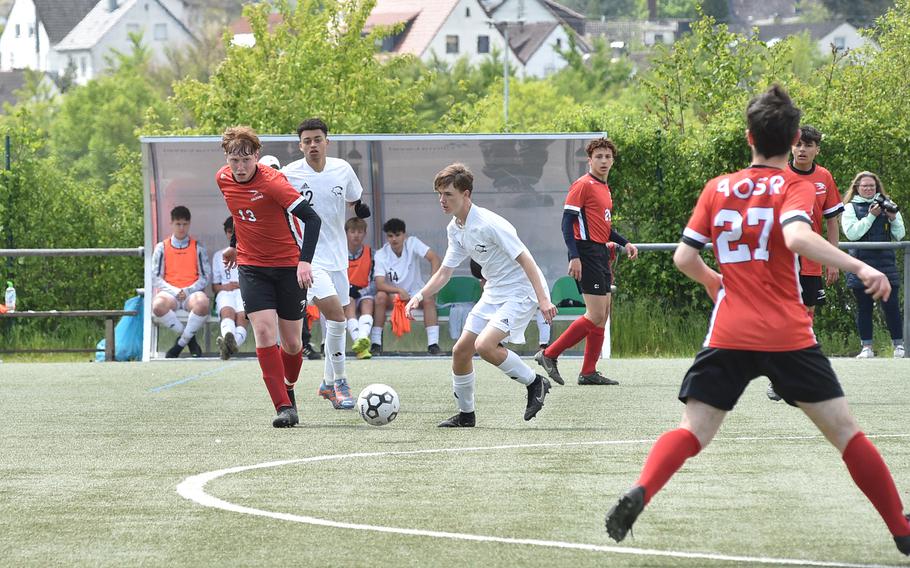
463, 389
668, 454
365, 322
292, 365
575, 333
516, 369
334, 345
593, 345
872, 476
273, 375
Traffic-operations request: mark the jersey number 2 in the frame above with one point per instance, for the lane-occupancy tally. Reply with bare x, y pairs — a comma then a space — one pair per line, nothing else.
726, 252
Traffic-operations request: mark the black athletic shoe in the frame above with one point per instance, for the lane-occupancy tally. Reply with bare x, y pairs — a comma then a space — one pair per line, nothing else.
622, 515
311, 353
293, 398
903, 542
227, 345
773, 396
195, 350
174, 351
549, 365
287, 417
460, 420
537, 391
434, 349
595, 378
375, 349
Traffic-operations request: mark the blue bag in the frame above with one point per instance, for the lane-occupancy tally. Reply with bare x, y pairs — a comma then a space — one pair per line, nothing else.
128, 333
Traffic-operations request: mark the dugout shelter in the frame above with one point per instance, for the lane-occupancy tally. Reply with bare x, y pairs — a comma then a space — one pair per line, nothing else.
523, 177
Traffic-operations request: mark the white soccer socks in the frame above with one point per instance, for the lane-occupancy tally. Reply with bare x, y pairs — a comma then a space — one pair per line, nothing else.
193, 323
432, 335
170, 321
334, 346
463, 389
516, 369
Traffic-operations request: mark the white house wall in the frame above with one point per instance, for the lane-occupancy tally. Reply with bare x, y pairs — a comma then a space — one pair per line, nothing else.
850, 35
467, 29
545, 60
19, 52
528, 11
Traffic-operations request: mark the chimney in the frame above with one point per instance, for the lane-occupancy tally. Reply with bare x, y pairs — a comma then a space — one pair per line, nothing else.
111, 5
652, 10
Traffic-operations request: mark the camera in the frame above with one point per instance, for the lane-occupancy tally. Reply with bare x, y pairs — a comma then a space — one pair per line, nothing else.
886, 204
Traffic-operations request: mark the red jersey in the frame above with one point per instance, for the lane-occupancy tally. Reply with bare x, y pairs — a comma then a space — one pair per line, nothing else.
827, 205
590, 199
760, 306
267, 233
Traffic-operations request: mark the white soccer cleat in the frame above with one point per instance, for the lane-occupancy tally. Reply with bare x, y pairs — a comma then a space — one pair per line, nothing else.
866, 353
899, 352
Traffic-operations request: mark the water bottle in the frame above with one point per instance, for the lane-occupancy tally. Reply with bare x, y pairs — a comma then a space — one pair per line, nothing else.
10, 297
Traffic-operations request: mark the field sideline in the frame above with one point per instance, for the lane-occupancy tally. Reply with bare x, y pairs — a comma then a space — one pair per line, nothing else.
93, 454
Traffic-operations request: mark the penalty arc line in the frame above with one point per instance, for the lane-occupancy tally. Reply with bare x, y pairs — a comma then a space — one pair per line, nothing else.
193, 489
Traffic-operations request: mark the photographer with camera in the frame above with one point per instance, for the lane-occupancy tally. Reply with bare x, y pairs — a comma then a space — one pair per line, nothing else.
870, 216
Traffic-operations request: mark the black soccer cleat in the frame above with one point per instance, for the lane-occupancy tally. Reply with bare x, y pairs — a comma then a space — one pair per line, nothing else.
195, 350
311, 353
622, 515
537, 392
549, 365
287, 417
595, 378
227, 345
292, 397
772, 396
903, 542
174, 351
375, 349
434, 349
460, 420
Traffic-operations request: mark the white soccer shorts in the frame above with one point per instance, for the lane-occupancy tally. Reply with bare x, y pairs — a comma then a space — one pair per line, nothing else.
229, 299
511, 317
329, 283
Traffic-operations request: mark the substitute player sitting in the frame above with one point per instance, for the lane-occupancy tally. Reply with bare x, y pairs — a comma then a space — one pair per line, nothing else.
587, 227
228, 303
359, 313
759, 219
273, 259
180, 271
514, 289
397, 272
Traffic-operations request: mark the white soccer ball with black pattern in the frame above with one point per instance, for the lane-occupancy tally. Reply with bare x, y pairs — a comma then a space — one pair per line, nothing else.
378, 404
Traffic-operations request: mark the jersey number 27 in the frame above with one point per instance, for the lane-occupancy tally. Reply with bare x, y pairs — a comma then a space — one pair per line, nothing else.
728, 251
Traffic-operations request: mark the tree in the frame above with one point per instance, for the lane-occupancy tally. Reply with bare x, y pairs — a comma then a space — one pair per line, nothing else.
317, 62
858, 13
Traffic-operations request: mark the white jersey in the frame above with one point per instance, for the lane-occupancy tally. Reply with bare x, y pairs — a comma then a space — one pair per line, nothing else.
493, 243
328, 192
220, 274
402, 271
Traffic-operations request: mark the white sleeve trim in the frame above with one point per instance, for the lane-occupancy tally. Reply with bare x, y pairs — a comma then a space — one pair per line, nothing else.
696, 236
294, 205
790, 215
838, 207
572, 208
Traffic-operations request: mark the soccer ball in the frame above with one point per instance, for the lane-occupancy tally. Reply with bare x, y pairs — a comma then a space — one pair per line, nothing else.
378, 404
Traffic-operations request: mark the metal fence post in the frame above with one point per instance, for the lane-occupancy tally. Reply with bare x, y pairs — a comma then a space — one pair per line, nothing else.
906, 294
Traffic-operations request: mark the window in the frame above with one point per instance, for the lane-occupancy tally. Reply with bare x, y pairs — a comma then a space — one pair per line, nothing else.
18, 31
467, 12
31, 30
658, 38
559, 43
840, 43
483, 44
160, 32
451, 44
83, 65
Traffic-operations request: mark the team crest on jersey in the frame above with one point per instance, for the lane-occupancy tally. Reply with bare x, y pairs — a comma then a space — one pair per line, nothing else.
305, 186
256, 195
820, 188
337, 191
480, 247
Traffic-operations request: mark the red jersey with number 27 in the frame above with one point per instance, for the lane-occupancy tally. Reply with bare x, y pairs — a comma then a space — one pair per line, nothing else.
760, 306
267, 233
590, 199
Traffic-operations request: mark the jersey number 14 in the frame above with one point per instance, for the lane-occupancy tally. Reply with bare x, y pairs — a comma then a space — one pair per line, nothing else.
728, 251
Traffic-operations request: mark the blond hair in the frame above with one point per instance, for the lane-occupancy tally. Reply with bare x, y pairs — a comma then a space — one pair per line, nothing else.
240, 141
854, 186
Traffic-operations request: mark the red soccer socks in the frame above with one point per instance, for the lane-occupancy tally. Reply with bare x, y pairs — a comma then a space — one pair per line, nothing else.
872, 476
291, 365
579, 329
667, 455
273, 375
593, 346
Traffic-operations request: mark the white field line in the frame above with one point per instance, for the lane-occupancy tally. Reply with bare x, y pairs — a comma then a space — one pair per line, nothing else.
193, 489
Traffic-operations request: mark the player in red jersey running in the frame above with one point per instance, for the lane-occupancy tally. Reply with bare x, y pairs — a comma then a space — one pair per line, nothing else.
587, 227
828, 208
758, 220
273, 259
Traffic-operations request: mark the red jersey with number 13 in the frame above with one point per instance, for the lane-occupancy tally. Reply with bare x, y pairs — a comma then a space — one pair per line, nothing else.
760, 306
827, 205
267, 233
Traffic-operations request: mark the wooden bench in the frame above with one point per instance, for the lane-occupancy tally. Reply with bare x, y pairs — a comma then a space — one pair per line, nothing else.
107, 315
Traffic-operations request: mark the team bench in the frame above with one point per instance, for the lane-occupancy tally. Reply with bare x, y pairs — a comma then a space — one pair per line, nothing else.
107, 315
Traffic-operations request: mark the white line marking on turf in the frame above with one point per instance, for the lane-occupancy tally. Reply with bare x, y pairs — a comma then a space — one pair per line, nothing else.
193, 489
217, 369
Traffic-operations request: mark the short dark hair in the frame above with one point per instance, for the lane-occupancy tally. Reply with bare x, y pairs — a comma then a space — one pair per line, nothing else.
599, 143
457, 175
229, 224
180, 212
773, 121
394, 226
312, 124
810, 134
